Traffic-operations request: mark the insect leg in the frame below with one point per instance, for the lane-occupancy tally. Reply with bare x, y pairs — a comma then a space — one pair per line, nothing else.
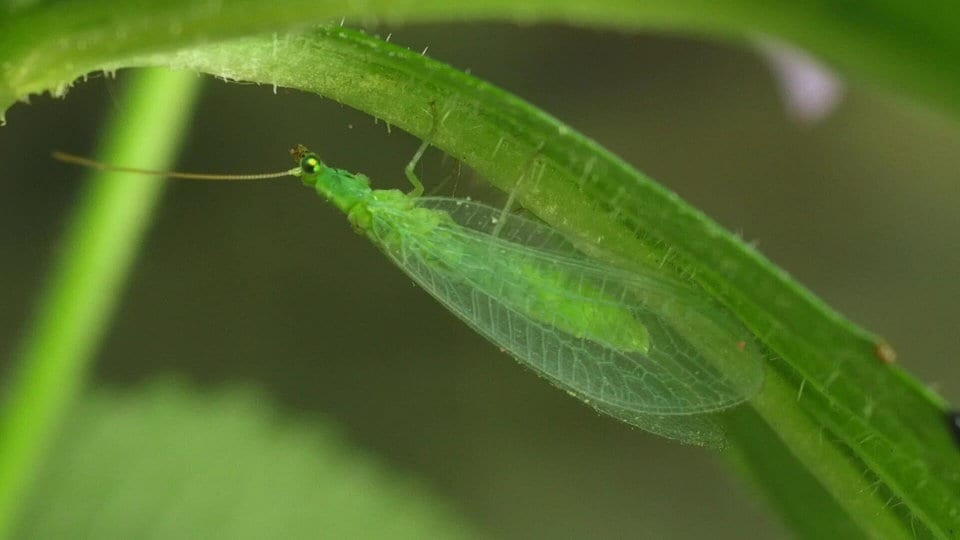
411, 173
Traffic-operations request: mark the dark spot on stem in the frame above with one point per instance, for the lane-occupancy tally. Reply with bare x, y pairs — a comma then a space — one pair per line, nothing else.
953, 418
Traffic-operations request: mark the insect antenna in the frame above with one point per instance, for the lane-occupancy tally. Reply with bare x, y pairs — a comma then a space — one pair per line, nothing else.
100, 166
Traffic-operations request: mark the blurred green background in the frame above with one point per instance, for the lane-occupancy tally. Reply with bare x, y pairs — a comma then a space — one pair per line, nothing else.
263, 284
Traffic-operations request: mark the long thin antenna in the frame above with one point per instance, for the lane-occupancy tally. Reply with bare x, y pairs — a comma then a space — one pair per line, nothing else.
85, 162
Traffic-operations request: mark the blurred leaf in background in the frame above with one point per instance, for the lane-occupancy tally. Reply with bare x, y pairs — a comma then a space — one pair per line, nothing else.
165, 461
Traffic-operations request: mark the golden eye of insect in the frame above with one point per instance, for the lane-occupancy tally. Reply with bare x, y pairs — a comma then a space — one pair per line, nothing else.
310, 165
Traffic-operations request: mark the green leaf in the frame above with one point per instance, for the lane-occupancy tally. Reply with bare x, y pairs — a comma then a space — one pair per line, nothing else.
168, 462
909, 47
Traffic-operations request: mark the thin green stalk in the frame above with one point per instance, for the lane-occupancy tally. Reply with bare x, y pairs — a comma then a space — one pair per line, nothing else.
84, 287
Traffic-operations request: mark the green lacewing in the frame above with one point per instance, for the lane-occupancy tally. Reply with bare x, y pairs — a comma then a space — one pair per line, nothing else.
634, 344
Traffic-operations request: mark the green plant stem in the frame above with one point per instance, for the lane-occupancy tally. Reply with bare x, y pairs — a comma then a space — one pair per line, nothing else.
100, 244
798, 494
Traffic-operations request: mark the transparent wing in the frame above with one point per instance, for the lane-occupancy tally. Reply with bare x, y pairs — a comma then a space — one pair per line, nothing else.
698, 360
